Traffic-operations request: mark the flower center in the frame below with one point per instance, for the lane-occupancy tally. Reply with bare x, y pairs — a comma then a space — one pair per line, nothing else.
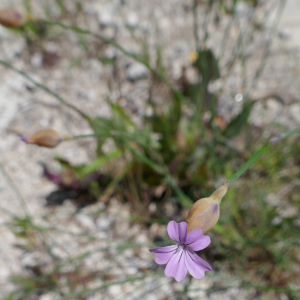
182, 246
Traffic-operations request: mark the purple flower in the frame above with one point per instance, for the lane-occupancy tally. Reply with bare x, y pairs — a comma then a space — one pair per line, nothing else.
181, 257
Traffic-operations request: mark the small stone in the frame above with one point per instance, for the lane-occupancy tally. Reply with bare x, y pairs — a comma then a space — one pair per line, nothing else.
284, 33
294, 111
44, 122
136, 71
8, 108
110, 53
104, 223
276, 221
106, 18
37, 60
289, 211
132, 20
297, 224
85, 221
115, 290
150, 297
46, 297
283, 297
272, 199
241, 8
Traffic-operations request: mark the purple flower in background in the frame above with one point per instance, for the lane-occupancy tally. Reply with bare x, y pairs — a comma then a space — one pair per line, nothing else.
181, 257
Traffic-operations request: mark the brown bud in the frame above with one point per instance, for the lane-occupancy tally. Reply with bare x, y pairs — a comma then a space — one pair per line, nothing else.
205, 213
11, 18
45, 138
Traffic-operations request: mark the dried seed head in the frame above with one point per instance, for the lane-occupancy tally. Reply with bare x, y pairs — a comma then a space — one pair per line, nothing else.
44, 138
11, 18
205, 213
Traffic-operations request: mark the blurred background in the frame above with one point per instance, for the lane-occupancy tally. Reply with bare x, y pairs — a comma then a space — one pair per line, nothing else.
178, 94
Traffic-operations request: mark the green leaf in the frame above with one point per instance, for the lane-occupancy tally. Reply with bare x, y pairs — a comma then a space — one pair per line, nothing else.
207, 65
235, 126
99, 162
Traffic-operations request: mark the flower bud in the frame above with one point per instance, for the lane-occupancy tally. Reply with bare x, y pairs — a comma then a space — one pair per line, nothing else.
11, 18
45, 138
205, 213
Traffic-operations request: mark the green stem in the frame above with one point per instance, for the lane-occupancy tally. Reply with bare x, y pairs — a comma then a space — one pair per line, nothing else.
248, 164
282, 136
158, 167
112, 134
258, 154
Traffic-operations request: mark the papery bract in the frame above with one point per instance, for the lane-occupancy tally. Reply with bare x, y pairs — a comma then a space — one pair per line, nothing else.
11, 18
181, 257
204, 214
44, 138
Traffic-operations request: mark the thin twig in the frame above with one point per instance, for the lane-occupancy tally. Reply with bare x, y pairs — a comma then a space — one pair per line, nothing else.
121, 49
46, 89
15, 189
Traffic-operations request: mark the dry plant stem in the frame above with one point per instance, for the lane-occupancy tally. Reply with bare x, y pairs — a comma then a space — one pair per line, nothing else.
16, 190
47, 90
195, 19
258, 287
267, 49
243, 56
121, 49
87, 291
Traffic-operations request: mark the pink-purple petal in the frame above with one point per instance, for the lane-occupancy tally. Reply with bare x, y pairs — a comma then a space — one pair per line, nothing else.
196, 265
176, 266
163, 254
177, 231
196, 240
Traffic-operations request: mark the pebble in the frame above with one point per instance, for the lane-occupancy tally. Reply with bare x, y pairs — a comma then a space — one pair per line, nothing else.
132, 20
115, 290
85, 221
284, 33
136, 71
241, 8
37, 60
46, 297
8, 110
294, 111
106, 18
105, 222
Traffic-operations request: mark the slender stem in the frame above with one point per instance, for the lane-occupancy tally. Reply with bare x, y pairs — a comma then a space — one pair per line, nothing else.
46, 89
267, 49
16, 190
113, 134
121, 49
258, 154
91, 290
258, 287
196, 25
248, 164
156, 166
282, 136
